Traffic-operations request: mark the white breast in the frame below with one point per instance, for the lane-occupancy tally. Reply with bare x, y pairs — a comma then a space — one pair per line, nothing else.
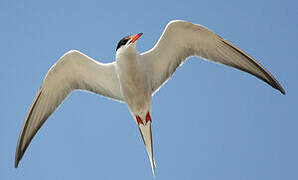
134, 83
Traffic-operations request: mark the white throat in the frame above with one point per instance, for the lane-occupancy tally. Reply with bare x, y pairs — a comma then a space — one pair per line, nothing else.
126, 50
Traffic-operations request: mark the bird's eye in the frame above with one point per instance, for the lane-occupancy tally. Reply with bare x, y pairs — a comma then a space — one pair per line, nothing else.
121, 43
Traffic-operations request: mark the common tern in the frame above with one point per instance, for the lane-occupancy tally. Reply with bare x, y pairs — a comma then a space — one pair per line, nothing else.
133, 78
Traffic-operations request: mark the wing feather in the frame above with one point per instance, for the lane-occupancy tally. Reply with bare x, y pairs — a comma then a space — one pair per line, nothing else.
181, 40
73, 71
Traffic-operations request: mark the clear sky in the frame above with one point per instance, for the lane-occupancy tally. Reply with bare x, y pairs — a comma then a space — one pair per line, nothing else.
209, 122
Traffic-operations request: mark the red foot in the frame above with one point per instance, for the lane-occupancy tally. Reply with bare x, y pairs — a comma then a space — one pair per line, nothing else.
139, 120
148, 118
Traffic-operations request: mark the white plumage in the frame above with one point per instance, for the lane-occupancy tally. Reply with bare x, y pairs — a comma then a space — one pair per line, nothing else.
133, 78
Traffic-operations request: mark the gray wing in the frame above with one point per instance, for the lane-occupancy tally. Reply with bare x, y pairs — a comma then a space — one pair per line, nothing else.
73, 71
182, 39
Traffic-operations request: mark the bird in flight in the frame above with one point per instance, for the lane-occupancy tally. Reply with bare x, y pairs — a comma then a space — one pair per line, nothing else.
133, 78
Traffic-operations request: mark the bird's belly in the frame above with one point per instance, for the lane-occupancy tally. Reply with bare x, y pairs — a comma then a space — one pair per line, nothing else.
136, 92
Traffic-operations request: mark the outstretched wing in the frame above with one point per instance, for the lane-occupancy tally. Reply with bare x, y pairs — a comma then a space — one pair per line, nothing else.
73, 71
182, 39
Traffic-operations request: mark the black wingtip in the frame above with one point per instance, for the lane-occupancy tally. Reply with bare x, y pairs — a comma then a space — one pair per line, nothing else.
279, 87
16, 163
17, 159
282, 91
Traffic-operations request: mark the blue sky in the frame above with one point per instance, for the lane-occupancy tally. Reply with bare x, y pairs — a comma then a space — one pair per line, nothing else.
209, 121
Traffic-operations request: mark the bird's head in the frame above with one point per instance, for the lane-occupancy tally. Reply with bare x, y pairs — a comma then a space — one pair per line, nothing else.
128, 43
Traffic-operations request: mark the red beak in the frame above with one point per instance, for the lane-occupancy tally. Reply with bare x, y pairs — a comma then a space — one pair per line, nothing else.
136, 37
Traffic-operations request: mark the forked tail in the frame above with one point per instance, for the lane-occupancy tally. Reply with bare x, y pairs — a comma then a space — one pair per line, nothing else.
145, 130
